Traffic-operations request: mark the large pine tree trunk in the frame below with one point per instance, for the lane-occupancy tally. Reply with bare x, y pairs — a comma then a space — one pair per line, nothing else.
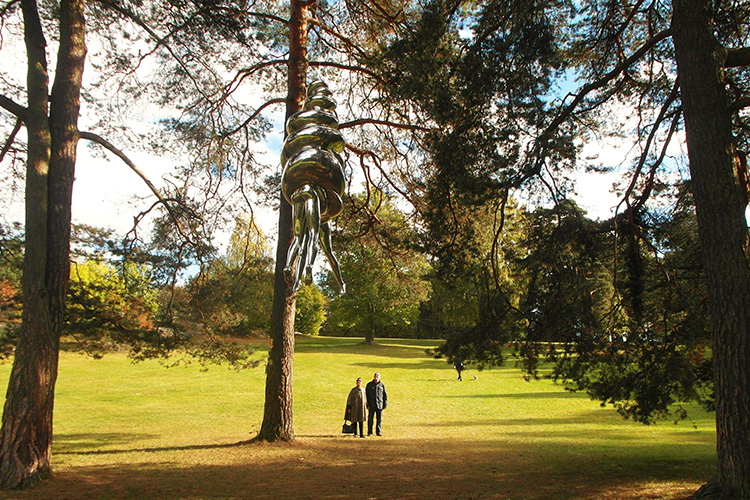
65, 107
26, 428
723, 233
277, 414
25, 445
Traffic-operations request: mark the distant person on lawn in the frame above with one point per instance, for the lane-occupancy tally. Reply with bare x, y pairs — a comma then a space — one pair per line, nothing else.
459, 366
377, 401
355, 408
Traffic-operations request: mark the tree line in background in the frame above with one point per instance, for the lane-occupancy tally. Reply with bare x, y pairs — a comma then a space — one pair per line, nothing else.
451, 109
626, 321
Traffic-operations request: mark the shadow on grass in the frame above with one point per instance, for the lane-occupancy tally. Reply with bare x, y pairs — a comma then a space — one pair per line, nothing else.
70, 443
421, 365
82, 444
324, 468
322, 436
563, 394
500, 423
398, 348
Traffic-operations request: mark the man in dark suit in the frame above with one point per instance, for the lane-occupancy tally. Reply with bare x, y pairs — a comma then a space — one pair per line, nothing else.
377, 401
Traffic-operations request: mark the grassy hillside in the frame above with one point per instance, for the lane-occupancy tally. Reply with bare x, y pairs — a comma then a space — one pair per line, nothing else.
140, 431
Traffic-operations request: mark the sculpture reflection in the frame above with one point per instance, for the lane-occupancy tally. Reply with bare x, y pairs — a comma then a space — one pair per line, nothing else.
313, 181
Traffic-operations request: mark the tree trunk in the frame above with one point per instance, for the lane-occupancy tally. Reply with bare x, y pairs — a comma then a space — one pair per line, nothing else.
370, 333
26, 428
65, 107
25, 446
370, 337
723, 233
277, 414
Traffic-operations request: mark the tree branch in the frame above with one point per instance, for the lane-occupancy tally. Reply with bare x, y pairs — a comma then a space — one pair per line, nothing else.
252, 117
7, 7
740, 104
244, 73
568, 110
586, 89
266, 15
737, 58
346, 67
129, 14
13, 107
114, 150
363, 153
11, 138
373, 121
663, 115
348, 43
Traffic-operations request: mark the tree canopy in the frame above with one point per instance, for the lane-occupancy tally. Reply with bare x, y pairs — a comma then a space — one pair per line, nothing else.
455, 108
383, 269
645, 75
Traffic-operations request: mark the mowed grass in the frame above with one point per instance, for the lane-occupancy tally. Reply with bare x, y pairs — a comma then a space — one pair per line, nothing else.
141, 431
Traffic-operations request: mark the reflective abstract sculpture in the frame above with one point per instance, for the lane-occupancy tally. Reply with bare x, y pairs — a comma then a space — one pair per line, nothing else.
313, 181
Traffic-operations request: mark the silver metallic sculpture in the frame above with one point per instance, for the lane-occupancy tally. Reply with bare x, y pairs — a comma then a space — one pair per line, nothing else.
313, 181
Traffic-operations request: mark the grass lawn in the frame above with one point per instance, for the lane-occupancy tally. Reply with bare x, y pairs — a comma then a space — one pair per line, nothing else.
140, 431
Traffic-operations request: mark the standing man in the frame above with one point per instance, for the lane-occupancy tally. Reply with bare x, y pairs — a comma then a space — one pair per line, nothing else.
377, 401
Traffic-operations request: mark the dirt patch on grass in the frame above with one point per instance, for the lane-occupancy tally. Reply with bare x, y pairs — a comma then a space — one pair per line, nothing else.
338, 467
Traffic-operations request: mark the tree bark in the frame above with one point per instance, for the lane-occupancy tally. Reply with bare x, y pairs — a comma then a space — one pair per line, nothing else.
370, 336
26, 436
25, 446
723, 234
65, 107
277, 414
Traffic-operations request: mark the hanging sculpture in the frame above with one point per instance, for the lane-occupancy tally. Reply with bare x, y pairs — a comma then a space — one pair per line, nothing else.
313, 181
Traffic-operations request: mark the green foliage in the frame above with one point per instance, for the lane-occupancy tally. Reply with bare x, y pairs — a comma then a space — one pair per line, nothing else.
565, 270
11, 254
107, 305
655, 346
232, 295
311, 309
174, 350
380, 301
113, 308
114, 304
616, 308
629, 327
383, 273
482, 342
487, 94
475, 299
11, 269
175, 243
